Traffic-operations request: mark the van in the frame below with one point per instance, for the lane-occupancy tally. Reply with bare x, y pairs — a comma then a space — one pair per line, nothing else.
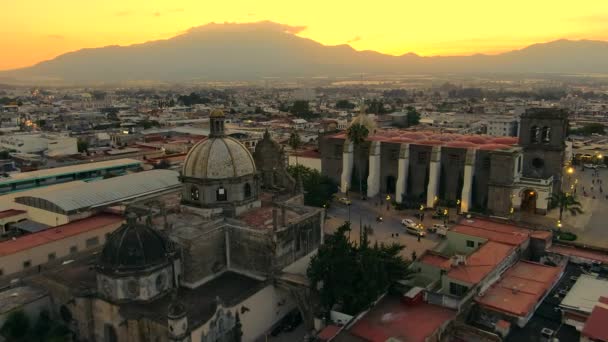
439, 229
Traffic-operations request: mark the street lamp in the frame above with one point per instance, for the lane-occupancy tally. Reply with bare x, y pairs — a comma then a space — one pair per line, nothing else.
446, 214
388, 201
421, 212
458, 206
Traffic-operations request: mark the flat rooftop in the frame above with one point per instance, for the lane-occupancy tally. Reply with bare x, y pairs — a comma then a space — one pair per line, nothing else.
436, 260
33, 240
390, 318
58, 171
521, 287
595, 327
493, 231
588, 254
585, 293
481, 262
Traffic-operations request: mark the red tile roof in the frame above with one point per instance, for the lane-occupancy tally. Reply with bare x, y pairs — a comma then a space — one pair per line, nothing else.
520, 288
436, 260
481, 262
391, 318
433, 138
11, 212
57, 233
493, 231
579, 252
595, 327
328, 332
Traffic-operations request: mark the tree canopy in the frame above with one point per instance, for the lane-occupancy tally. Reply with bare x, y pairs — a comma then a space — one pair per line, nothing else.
318, 189
345, 104
352, 275
589, 129
413, 117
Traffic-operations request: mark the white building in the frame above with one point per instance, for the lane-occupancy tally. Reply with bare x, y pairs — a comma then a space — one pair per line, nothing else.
50, 144
503, 127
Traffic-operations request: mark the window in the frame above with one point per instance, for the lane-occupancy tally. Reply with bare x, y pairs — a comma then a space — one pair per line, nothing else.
394, 154
27, 264
194, 193
546, 134
534, 134
519, 164
470, 243
479, 244
247, 190
52, 256
94, 241
337, 151
458, 290
73, 249
486, 163
221, 194
538, 163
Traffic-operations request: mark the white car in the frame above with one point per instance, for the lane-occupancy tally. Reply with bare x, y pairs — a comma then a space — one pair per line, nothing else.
590, 166
408, 222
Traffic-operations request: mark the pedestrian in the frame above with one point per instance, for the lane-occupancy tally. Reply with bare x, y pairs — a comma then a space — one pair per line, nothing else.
593, 181
414, 255
418, 237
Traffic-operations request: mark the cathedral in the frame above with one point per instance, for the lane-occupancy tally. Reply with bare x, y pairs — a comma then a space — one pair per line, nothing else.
206, 266
495, 175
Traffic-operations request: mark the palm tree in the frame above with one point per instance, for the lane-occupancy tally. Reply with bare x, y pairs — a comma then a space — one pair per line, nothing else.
566, 201
294, 142
357, 133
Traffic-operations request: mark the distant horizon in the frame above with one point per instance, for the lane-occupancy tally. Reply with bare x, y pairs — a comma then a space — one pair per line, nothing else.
39, 30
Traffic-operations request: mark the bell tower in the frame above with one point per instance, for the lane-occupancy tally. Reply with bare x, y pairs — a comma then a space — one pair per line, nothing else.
216, 123
543, 139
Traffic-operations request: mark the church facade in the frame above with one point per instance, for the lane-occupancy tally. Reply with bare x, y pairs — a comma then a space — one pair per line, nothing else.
483, 173
203, 270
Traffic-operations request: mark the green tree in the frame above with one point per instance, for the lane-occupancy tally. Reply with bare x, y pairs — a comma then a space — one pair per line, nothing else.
16, 326
82, 145
300, 108
319, 189
357, 134
566, 202
345, 104
294, 142
589, 129
352, 275
413, 117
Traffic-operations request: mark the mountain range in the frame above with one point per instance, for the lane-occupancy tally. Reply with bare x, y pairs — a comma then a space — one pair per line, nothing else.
266, 49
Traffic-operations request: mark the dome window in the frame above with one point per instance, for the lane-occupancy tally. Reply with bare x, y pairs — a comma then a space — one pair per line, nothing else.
194, 193
221, 194
247, 190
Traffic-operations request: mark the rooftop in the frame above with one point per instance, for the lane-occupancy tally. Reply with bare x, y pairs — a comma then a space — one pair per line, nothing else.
57, 233
390, 318
85, 167
10, 213
439, 139
493, 231
595, 327
16, 297
520, 288
481, 262
580, 253
585, 293
436, 260
104, 192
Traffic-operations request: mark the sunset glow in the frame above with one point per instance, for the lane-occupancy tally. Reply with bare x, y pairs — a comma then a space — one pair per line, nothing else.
36, 30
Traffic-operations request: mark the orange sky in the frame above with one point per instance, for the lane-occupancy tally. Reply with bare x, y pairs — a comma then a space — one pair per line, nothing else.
36, 30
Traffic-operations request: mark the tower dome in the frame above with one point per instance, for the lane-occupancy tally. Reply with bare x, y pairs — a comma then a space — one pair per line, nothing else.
134, 247
218, 158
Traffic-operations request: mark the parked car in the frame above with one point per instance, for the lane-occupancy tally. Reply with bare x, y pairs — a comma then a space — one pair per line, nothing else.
408, 222
344, 200
439, 229
415, 230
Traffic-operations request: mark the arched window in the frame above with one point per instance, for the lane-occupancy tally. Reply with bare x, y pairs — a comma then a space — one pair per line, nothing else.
221, 194
534, 134
194, 194
247, 190
546, 134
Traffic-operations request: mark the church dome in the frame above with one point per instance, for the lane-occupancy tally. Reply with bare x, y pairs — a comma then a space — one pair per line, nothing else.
218, 158
134, 247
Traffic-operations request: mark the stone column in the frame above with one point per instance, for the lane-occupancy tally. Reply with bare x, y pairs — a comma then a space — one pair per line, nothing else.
373, 179
347, 166
403, 168
467, 184
434, 175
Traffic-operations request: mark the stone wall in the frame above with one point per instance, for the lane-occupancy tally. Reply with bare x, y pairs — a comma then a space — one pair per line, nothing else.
250, 250
204, 256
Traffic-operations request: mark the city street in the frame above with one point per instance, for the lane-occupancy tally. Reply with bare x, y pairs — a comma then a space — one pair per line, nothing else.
390, 230
591, 226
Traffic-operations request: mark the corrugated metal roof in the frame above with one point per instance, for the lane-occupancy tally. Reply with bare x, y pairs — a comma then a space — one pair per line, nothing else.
109, 191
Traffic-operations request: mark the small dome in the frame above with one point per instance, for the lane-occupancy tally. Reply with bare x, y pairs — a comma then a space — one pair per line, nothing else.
218, 158
216, 113
134, 247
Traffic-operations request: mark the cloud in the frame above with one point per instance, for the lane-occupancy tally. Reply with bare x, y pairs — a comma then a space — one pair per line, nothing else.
355, 39
55, 36
123, 13
259, 25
